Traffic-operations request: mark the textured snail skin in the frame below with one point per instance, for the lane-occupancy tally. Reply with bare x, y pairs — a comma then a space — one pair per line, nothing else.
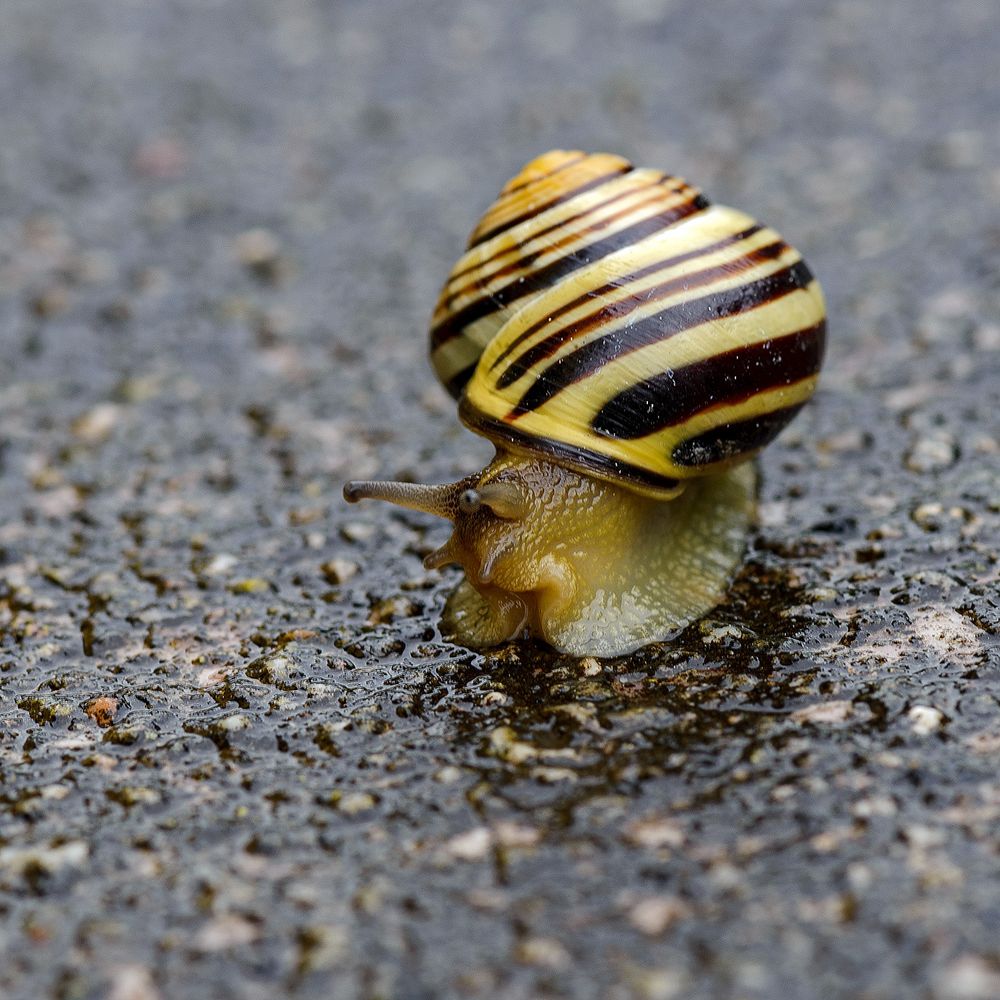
582, 570
628, 347
589, 566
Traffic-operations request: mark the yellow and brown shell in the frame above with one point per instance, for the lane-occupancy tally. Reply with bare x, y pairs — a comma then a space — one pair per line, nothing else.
612, 318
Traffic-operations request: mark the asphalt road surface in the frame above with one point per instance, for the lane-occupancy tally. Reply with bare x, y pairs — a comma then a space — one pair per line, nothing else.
237, 759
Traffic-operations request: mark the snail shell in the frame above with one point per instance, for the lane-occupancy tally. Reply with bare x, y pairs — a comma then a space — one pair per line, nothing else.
627, 346
610, 317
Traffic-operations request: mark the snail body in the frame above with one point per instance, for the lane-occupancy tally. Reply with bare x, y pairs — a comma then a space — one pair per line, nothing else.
627, 347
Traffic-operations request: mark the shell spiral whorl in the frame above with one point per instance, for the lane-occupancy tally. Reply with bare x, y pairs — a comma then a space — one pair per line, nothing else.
612, 319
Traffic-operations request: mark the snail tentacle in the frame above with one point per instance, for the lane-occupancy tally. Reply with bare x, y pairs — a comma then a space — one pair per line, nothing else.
441, 501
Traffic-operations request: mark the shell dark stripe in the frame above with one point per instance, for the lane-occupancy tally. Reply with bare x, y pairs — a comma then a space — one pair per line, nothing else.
595, 354
581, 459
460, 379
543, 191
676, 395
571, 227
642, 193
615, 313
535, 210
544, 182
524, 179
602, 292
540, 278
545, 243
733, 440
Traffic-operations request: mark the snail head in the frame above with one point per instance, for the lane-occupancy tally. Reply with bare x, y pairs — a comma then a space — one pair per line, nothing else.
489, 512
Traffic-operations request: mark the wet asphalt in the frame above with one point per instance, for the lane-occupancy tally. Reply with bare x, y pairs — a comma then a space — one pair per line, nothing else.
237, 759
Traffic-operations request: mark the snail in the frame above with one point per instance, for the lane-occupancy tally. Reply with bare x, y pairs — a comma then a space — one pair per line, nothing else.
627, 347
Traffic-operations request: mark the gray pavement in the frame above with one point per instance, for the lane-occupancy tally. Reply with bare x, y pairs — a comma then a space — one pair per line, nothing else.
236, 758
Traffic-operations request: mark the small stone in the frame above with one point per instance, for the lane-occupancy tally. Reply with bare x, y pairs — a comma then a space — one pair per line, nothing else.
391, 609
773, 513
356, 802
911, 396
219, 564
825, 713
370, 898
713, 634
552, 775
55, 793
547, 953
210, 676
654, 832
984, 742
49, 860
357, 531
851, 440
132, 982
231, 724
968, 977
725, 876
251, 585
932, 453
923, 837
48, 477
259, 251
831, 840
508, 747
322, 947
859, 877
581, 714
272, 669
473, 845
134, 795
875, 805
140, 388
510, 834
303, 516
654, 915
226, 931
925, 719
657, 984
928, 516
96, 424
102, 710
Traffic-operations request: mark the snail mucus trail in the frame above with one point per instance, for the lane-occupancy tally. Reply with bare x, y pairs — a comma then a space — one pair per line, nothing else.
627, 347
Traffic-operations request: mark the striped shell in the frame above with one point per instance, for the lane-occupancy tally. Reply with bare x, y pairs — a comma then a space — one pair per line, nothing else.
614, 319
